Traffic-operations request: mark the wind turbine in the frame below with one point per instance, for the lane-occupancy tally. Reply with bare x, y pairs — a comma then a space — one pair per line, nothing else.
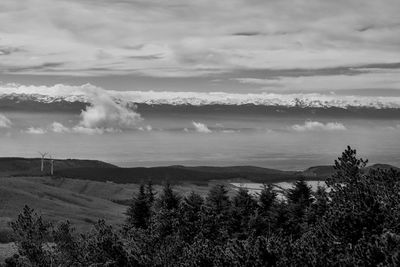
43, 155
51, 165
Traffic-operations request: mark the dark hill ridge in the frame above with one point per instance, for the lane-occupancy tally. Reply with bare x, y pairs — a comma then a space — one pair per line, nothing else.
179, 174
105, 172
31, 166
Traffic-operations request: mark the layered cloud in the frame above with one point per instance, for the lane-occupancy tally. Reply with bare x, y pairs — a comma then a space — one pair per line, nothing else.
370, 79
318, 126
182, 38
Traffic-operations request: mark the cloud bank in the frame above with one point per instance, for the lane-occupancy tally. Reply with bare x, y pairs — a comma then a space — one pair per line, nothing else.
372, 78
318, 126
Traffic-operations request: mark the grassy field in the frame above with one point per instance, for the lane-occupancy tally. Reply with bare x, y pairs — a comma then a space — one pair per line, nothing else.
80, 201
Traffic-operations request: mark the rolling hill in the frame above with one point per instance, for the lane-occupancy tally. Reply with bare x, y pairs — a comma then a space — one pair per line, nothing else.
13, 166
201, 175
178, 174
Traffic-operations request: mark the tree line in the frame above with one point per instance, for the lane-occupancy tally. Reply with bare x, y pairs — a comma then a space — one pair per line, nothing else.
354, 223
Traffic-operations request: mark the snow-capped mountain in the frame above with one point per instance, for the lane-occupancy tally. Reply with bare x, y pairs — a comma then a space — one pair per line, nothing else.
204, 99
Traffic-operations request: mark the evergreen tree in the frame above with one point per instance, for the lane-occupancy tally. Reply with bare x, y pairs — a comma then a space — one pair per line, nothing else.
139, 211
191, 206
243, 207
267, 199
301, 193
348, 168
150, 192
319, 206
215, 217
299, 200
218, 199
33, 234
190, 216
168, 199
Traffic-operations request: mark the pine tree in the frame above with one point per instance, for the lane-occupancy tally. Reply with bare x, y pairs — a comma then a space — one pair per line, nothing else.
168, 199
267, 199
33, 234
301, 193
243, 207
299, 200
348, 168
218, 199
190, 216
139, 211
150, 192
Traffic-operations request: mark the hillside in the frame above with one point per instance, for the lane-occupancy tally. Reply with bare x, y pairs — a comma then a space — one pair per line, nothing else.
54, 202
201, 175
31, 166
178, 174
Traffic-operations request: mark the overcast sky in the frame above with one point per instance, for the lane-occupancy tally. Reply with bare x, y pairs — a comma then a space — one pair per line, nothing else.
227, 45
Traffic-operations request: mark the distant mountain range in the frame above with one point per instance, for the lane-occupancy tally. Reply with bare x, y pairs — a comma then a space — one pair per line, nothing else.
275, 106
105, 172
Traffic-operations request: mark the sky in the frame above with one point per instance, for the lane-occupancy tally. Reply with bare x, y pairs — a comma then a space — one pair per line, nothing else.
235, 46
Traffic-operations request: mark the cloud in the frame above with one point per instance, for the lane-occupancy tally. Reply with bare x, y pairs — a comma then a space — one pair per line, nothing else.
147, 128
318, 126
4, 122
59, 128
371, 78
201, 127
33, 130
96, 37
91, 131
105, 113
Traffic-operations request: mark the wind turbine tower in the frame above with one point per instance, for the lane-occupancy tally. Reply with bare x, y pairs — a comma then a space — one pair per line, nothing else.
51, 166
43, 155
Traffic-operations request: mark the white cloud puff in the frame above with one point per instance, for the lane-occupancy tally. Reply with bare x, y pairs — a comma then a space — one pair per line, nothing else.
105, 113
59, 128
318, 126
201, 127
4, 122
34, 130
